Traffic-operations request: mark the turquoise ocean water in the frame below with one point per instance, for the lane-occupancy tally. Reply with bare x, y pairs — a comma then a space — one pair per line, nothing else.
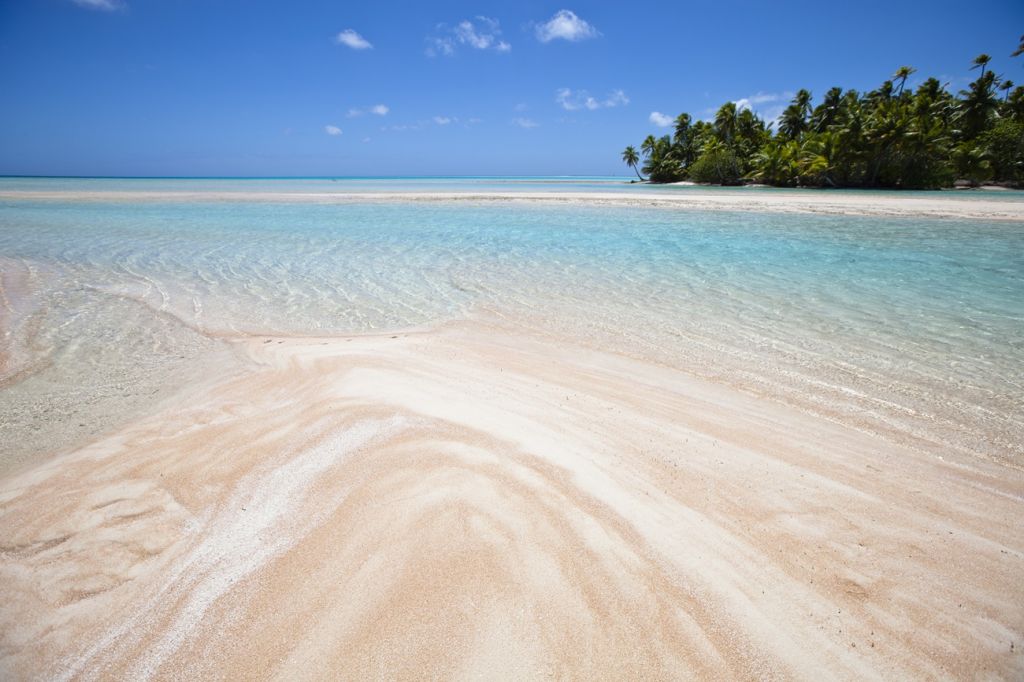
915, 327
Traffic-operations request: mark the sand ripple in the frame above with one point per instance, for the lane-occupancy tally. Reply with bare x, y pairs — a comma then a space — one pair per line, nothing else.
472, 502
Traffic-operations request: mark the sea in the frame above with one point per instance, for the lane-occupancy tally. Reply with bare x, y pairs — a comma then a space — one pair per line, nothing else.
911, 327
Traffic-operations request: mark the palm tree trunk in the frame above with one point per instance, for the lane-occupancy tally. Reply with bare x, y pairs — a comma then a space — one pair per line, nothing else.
637, 173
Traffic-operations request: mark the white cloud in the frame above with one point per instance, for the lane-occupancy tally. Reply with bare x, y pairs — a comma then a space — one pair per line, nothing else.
376, 109
571, 100
102, 5
482, 33
442, 120
525, 123
333, 131
775, 101
354, 40
440, 46
567, 26
752, 101
661, 120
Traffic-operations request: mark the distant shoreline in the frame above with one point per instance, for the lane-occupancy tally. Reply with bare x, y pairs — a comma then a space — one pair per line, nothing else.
951, 205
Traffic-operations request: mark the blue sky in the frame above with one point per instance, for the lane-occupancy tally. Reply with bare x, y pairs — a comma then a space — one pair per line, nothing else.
226, 87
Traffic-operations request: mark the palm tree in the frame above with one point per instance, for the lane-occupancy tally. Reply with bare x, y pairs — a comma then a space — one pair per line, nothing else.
902, 74
825, 113
977, 106
647, 146
725, 122
883, 93
661, 166
631, 159
898, 135
1020, 49
794, 118
981, 60
682, 129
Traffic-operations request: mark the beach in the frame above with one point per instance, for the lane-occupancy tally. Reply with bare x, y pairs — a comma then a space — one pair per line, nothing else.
454, 434
812, 202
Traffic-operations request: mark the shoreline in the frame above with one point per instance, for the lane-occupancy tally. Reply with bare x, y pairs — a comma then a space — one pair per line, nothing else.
512, 489
954, 205
450, 477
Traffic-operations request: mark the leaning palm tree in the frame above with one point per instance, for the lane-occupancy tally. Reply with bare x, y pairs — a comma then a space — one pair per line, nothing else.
1006, 86
902, 74
982, 61
631, 159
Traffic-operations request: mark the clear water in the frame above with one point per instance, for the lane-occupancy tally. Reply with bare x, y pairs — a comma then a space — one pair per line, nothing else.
913, 327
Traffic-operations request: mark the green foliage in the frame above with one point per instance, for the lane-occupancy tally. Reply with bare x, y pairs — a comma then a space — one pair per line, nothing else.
719, 166
662, 164
894, 136
1004, 147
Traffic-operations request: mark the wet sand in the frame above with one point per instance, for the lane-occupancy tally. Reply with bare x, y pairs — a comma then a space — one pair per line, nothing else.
953, 205
477, 501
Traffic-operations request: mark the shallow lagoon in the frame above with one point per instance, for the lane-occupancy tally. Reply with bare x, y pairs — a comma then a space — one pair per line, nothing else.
908, 325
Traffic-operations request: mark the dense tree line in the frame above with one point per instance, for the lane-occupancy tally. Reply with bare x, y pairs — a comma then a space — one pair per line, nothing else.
894, 136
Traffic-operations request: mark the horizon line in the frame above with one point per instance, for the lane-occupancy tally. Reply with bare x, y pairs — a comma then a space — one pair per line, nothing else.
288, 177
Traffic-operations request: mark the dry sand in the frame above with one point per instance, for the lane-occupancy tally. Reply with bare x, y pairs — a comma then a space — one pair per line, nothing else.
475, 502
957, 205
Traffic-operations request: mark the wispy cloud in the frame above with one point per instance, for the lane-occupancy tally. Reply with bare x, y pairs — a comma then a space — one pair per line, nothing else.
573, 100
762, 98
376, 109
659, 119
525, 123
565, 25
352, 39
443, 120
401, 127
482, 33
333, 131
101, 5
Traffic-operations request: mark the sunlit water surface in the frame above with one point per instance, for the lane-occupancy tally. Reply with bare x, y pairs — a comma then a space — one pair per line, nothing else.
912, 327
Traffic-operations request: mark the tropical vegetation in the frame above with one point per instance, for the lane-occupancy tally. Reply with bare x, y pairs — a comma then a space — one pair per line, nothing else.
896, 136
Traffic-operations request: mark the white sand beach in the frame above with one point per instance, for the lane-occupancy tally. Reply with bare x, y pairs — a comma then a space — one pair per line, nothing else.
483, 499
955, 205
346, 341
465, 501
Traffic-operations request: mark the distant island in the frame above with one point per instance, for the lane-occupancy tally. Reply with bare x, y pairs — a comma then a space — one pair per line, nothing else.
892, 137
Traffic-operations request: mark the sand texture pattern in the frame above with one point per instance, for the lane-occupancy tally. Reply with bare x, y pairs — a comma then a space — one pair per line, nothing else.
475, 502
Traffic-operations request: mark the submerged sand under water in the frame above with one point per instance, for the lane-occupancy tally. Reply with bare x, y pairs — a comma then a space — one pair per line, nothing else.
471, 502
493, 497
